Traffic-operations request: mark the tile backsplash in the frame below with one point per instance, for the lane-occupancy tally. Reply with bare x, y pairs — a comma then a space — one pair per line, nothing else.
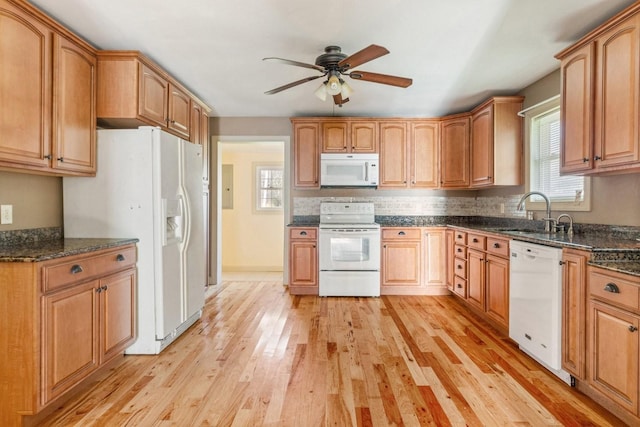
423, 205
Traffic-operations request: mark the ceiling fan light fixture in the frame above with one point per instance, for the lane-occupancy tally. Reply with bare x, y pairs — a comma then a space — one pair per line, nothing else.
321, 92
346, 90
333, 85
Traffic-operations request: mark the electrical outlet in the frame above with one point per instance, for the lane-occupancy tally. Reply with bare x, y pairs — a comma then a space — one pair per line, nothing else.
6, 214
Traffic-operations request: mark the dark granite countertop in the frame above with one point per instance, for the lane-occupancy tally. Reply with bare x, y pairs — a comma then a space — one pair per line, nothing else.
42, 250
628, 267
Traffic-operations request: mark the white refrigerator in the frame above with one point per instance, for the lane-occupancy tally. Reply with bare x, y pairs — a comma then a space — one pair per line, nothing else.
148, 185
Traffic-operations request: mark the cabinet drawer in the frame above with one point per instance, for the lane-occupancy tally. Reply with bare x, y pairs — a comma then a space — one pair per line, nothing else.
303, 233
460, 286
476, 241
401, 234
460, 251
617, 289
499, 247
75, 269
460, 267
460, 237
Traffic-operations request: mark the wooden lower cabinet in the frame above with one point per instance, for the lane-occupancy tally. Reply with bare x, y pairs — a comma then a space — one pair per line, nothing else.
574, 315
475, 278
75, 314
613, 344
449, 258
497, 289
303, 260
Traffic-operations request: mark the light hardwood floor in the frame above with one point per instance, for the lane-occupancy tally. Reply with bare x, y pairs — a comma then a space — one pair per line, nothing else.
260, 356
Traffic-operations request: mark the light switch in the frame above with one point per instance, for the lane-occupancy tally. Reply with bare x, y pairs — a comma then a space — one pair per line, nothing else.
6, 214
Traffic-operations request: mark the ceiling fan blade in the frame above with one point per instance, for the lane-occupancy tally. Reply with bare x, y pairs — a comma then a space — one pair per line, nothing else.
381, 78
365, 55
296, 63
337, 99
292, 84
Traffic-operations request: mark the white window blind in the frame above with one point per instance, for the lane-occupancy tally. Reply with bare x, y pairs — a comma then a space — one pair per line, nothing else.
545, 161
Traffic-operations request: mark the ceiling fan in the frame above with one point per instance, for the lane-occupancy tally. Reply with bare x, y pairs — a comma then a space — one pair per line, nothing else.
334, 64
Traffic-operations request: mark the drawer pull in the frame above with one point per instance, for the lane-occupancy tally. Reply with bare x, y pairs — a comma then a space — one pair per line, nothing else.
459, 286
98, 290
496, 245
76, 269
612, 287
120, 258
459, 267
475, 240
104, 288
459, 236
632, 328
303, 233
401, 233
459, 250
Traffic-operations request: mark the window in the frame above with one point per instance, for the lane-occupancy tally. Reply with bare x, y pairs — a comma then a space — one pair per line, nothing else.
567, 192
269, 187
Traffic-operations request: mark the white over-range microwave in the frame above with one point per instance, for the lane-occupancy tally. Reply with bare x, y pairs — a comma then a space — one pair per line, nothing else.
349, 170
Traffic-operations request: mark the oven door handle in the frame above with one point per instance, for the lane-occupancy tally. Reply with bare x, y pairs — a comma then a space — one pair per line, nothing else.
342, 232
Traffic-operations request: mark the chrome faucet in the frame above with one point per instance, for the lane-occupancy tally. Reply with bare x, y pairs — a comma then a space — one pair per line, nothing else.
549, 223
570, 230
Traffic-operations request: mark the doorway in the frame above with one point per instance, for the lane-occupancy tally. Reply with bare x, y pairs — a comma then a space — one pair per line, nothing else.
251, 206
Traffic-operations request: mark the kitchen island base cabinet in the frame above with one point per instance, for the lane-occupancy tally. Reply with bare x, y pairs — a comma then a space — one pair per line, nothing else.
75, 315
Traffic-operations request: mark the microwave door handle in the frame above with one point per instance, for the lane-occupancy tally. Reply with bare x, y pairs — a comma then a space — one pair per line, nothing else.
366, 171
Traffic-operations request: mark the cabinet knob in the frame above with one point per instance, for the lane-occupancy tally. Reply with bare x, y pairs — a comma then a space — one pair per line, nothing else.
632, 328
475, 240
459, 267
459, 285
459, 250
496, 245
104, 288
597, 158
612, 287
585, 159
48, 157
98, 290
76, 269
120, 258
61, 159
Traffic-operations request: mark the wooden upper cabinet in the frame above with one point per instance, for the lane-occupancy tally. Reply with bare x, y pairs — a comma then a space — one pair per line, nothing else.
393, 155
74, 130
364, 136
454, 152
424, 150
601, 98
617, 96
49, 77
576, 136
306, 156
335, 137
25, 80
196, 123
179, 111
496, 142
346, 136
133, 91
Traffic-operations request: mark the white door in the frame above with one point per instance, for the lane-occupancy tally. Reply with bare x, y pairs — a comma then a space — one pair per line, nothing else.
193, 252
168, 296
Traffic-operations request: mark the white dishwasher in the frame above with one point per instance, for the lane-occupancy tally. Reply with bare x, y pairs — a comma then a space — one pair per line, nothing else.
535, 303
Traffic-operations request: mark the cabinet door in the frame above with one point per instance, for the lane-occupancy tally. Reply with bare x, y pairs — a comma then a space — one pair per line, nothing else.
70, 338
306, 156
401, 263
434, 267
482, 147
450, 256
616, 140
206, 144
179, 110
195, 134
25, 84
576, 109
303, 263
574, 316
74, 108
117, 313
475, 278
153, 93
497, 289
614, 354
454, 151
423, 153
393, 155
335, 137
364, 137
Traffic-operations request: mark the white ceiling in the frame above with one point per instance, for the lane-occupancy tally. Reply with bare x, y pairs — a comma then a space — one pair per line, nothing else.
458, 52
